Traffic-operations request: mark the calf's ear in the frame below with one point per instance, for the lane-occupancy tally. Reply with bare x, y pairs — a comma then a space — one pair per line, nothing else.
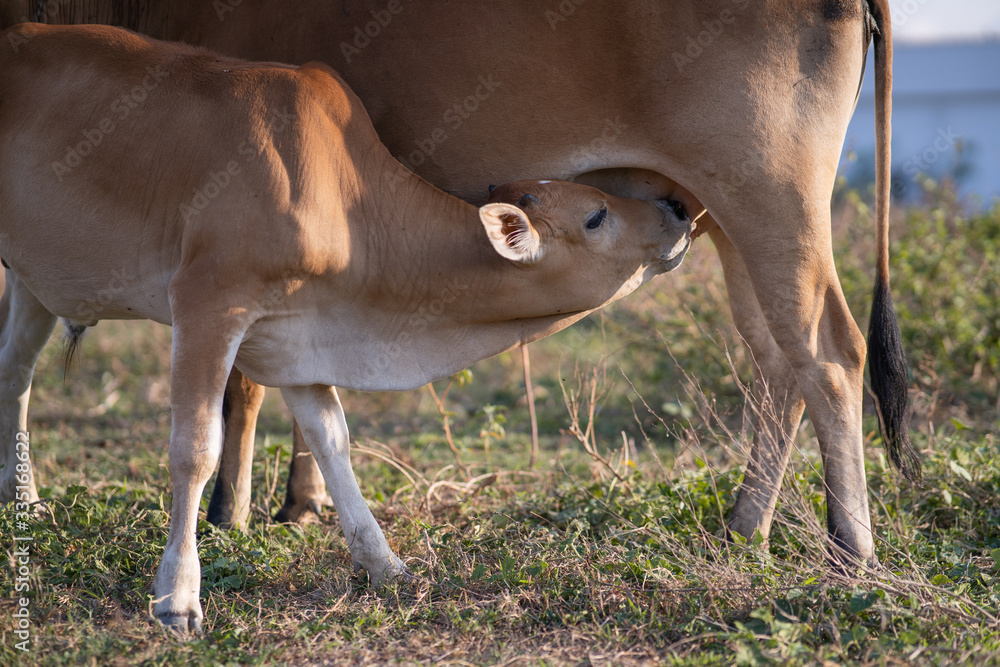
511, 233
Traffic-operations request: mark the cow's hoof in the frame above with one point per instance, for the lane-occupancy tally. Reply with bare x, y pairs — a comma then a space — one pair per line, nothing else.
222, 513
303, 511
848, 554
756, 539
847, 563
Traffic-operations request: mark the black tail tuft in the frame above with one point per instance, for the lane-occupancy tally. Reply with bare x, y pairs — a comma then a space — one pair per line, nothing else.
887, 368
74, 334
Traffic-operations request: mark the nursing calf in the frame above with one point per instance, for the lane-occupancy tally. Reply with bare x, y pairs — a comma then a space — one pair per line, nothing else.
253, 208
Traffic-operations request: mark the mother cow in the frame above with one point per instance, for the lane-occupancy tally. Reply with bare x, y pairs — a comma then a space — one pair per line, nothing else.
734, 107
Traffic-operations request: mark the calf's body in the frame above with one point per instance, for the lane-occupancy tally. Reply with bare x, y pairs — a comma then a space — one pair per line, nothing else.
252, 208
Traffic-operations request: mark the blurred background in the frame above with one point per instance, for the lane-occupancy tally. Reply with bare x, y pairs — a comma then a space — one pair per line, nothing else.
946, 102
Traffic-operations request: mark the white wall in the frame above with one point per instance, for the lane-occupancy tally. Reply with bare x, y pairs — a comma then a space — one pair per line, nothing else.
945, 118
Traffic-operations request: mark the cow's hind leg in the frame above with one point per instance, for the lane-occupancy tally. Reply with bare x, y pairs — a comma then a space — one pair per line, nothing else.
205, 342
306, 494
794, 279
25, 327
320, 416
230, 504
775, 400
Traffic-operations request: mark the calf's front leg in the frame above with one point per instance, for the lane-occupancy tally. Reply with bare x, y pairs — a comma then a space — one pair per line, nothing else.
204, 348
321, 418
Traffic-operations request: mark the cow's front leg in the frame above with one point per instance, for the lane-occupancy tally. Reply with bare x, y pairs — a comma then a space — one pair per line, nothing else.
320, 416
776, 400
204, 347
230, 504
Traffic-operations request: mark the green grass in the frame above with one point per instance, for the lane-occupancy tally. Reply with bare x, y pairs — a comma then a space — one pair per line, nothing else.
579, 560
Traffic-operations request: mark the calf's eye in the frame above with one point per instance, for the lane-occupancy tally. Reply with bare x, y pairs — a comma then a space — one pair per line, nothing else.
597, 219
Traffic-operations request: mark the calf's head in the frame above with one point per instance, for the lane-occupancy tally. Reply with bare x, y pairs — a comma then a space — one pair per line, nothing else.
580, 248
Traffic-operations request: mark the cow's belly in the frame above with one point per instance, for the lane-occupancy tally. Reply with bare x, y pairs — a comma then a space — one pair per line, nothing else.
475, 94
480, 95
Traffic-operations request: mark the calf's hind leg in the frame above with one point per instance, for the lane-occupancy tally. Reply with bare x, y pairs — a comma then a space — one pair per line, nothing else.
319, 414
25, 327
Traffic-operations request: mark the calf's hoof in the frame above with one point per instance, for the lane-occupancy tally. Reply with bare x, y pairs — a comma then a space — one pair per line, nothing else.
181, 624
394, 570
176, 603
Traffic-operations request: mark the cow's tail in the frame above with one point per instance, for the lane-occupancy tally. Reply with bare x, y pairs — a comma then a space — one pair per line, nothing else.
886, 359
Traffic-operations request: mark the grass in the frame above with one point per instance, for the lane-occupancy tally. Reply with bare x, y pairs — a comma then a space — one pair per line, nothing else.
607, 556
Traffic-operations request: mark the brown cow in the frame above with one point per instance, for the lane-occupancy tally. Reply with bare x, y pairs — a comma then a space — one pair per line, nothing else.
253, 208
735, 106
